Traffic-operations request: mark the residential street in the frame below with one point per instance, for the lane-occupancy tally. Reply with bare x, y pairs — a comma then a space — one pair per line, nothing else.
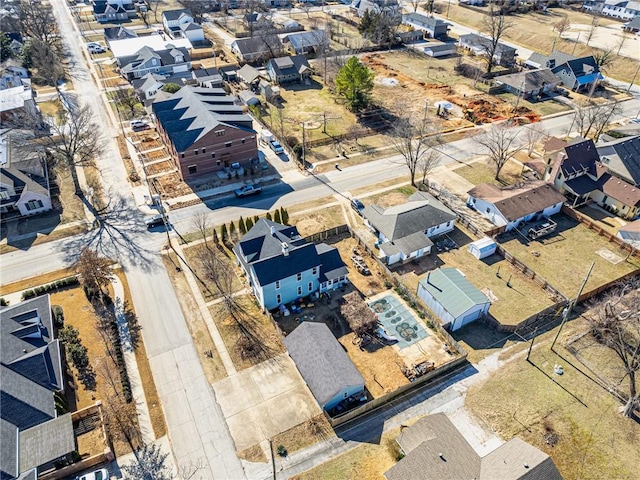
197, 430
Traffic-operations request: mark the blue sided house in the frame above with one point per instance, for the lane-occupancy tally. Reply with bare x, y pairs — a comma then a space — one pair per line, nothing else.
282, 266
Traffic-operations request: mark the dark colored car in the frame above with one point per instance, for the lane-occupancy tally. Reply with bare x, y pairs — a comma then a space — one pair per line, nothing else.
357, 206
155, 221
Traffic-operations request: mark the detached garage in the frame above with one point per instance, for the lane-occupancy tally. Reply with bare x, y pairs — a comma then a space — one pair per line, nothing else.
452, 298
324, 365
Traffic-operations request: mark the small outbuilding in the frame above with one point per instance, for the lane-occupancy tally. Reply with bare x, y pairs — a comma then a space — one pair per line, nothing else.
452, 298
482, 248
321, 360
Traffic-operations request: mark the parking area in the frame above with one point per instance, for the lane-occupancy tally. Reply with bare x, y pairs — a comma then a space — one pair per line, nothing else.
262, 401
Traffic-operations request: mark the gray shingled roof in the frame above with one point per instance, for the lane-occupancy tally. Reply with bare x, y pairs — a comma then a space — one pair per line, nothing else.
310, 39
528, 79
294, 65
322, 361
248, 73
480, 41
420, 19
259, 45
9, 435
554, 59
421, 212
622, 156
435, 449
580, 155
46, 442
331, 264
24, 403
171, 15
192, 112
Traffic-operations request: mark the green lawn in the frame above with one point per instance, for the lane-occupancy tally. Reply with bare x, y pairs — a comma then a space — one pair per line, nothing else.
565, 257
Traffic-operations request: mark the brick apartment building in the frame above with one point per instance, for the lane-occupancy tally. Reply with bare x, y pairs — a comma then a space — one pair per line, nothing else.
205, 131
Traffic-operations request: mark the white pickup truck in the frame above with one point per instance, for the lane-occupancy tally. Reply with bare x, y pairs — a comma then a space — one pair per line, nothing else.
248, 190
276, 147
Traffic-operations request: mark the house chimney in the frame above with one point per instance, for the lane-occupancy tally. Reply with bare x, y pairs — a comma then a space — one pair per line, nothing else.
273, 231
285, 249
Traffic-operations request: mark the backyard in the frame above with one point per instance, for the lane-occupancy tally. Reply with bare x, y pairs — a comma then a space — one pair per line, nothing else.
568, 416
484, 171
564, 257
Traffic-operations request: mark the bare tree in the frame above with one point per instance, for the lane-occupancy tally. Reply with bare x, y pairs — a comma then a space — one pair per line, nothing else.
427, 163
153, 6
494, 24
604, 58
74, 138
127, 98
533, 134
415, 4
49, 69
501, 143
615, 323
623, 39
562, 25
149, 464
200, 222
94, 271
592, 29
197, 7
592, 118
37, 22
413, 138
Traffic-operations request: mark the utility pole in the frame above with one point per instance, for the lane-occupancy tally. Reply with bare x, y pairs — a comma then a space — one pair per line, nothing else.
633, 79
576, 44
567, 310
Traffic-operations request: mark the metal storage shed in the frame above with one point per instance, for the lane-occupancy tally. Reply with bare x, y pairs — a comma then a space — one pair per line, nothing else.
482, 248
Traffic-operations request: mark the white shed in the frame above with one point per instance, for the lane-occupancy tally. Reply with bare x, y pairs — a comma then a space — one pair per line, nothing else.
482, 248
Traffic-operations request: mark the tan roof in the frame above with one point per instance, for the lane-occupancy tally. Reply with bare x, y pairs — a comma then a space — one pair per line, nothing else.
520, 200
554, 144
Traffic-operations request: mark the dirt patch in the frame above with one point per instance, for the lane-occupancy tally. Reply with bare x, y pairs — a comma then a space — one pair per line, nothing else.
172, 186
91, 443
209, 358
160, 167
263, 341
307, 433
253, 454
79, 313
318, 221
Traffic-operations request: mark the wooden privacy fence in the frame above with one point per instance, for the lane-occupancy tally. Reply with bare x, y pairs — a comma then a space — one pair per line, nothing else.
377, 402
624, 246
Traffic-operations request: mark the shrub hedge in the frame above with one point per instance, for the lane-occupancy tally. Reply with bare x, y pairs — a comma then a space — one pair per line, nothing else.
50, 287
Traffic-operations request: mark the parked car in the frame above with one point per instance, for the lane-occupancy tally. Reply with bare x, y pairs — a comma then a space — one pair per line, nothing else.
276, 147
101, 474
155, 221
357, 205
95, 48
247, 190
138, 124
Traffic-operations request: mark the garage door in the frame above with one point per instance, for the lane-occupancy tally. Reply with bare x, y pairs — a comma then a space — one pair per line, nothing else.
469, 318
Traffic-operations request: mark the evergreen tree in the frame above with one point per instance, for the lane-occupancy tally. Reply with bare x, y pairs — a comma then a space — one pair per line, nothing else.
354, 82
224, 236
249, 224
284, 215
241, 226
216, 240
255, 220
276, 217
232, 231
269, 217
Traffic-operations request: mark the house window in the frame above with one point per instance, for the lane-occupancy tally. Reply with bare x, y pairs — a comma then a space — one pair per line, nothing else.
310, 286
299, 291
488, 210
278, 299
218, 162
228, 144
219, 133
182, 155
243, 140
4, 195
315, 270
192, 169
277, 284
448, 224
204, 150
213, 155
34, 204
299, 276
323, 285
195, 152
605, 199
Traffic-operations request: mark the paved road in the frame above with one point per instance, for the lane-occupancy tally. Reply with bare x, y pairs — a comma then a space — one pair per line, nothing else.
197, 430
